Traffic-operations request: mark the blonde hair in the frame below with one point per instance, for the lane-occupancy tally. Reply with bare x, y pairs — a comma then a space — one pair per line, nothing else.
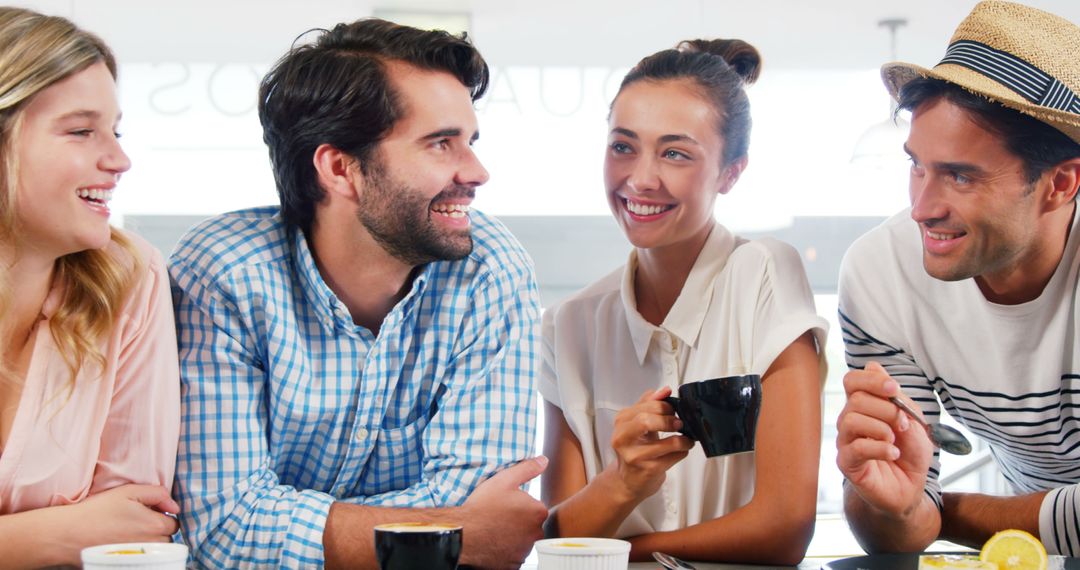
37, 51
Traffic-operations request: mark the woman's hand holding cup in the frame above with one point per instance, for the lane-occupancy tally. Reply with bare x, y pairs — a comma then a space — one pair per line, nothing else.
643, 456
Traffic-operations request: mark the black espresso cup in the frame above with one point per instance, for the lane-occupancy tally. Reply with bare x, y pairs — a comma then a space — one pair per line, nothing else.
417, 546
721, 413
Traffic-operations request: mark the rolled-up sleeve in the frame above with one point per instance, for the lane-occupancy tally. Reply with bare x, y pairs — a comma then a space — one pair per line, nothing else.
235, 513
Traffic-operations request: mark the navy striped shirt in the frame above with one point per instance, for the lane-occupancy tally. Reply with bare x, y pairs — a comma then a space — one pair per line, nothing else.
1009, 373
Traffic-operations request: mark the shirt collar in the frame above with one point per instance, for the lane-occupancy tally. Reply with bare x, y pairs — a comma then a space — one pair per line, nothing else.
687, 315
330, 310
327, 307
641, 331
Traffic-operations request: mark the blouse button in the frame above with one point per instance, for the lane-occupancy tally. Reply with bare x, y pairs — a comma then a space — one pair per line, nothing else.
361, 434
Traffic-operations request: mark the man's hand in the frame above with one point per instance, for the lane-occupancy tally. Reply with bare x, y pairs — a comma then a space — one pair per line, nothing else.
501, 522
884, 455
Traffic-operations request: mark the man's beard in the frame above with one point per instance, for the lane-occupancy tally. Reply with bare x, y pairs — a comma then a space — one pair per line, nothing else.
399, 218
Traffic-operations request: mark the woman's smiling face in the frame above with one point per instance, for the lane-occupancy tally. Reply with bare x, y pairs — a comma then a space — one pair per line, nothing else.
662, 169
69, 161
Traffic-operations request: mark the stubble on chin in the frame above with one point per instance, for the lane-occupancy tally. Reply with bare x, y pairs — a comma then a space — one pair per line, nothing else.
945, 272
419, 242
453, 247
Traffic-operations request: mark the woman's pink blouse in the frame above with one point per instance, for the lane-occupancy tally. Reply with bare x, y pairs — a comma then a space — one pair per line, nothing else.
114, 428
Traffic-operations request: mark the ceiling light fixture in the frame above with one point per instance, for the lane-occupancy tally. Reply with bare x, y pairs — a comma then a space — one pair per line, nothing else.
883, 143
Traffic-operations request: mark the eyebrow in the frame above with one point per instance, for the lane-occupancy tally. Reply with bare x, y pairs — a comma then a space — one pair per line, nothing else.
81, 114
958, 167
679, 138
443, 133
664, 139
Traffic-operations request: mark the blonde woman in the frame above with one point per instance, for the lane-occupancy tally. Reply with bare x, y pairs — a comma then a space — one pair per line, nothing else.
89, 386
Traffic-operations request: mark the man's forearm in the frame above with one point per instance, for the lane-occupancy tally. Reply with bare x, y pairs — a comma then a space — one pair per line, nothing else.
970, 518
878, 531
349, 538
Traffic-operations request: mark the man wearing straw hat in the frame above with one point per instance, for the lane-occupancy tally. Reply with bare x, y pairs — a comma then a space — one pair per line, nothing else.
968, 300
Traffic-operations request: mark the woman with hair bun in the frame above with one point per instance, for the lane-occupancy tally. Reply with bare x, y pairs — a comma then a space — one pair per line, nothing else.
693, 302
89, 380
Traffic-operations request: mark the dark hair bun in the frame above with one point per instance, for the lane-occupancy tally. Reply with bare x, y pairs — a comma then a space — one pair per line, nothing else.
741, 56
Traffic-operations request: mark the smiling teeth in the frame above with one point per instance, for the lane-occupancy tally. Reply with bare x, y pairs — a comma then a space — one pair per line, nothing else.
452, 210
97, 195
644, 209
935, 235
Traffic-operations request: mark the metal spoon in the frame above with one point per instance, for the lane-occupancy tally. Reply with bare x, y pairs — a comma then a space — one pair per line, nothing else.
671, 563
947, 438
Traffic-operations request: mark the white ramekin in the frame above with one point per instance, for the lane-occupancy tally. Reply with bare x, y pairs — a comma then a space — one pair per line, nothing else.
582, 554
135, 556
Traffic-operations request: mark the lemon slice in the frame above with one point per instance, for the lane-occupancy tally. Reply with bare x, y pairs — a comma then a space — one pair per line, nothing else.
1014, 550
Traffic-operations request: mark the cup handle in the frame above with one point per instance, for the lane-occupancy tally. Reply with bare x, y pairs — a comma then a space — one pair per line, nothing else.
674, 401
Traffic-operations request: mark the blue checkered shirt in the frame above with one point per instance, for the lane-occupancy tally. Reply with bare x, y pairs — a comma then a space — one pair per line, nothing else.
289, 406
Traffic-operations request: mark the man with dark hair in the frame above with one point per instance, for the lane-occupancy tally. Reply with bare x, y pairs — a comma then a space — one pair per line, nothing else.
968, 300
365, 353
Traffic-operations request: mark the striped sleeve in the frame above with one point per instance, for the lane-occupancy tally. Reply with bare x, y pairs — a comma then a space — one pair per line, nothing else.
872, 331
1059, 521
861, 348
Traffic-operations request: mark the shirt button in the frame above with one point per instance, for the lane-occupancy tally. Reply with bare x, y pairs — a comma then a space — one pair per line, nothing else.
361, 434
340, 493
671, 507
667, 369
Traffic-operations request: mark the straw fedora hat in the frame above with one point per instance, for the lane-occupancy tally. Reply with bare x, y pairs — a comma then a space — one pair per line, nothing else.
1020, 57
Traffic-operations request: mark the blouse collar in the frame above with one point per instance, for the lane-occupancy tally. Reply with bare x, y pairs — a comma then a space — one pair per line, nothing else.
687, 315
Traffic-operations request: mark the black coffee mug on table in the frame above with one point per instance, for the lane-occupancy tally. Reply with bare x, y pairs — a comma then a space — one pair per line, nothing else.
721, 413
417, 546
